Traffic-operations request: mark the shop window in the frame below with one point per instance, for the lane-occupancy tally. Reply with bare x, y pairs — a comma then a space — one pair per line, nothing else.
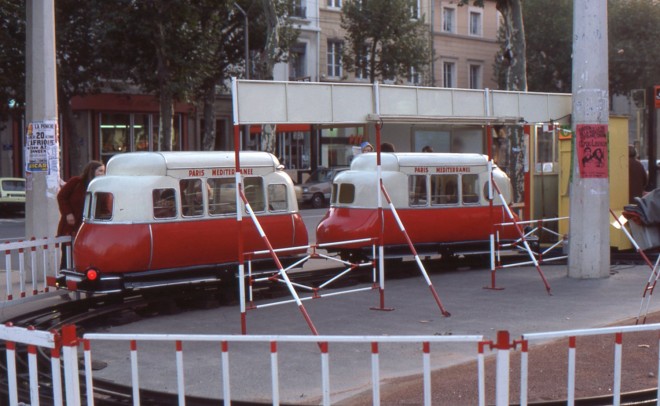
192, 199
124, 132
164, 203
277, 198
417, 195
222, 196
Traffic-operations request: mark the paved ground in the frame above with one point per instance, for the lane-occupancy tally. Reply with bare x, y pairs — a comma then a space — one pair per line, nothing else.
522, 307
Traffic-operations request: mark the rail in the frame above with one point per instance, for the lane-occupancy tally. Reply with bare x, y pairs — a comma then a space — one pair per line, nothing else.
30, 264
63, 348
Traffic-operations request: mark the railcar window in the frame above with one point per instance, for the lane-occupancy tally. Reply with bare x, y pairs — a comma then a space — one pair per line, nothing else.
470, 188
417, 195
346, 193
254, 192
444, 189
192, 199
88, 206
103, 205
222, 198
164, 203
333, 193
277, 198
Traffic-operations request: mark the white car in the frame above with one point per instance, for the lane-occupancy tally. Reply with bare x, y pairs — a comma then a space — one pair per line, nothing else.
12, 194
316, 190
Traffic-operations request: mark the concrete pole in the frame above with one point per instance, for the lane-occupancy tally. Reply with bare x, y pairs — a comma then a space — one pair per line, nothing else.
589, 238
41, 211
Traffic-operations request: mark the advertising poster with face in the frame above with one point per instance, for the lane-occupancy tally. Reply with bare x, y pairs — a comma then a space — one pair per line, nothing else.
591, 144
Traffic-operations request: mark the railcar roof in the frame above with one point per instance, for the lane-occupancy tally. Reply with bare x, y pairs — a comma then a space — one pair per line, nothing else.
396, 160
158, 163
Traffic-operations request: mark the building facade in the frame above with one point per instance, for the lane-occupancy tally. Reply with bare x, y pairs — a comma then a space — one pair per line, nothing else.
463, 52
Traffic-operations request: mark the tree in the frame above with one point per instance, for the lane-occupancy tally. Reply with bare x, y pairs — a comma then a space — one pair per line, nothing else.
549, 44
384, 41
79, 68
162, 57
511, 68
634, 49
12, 59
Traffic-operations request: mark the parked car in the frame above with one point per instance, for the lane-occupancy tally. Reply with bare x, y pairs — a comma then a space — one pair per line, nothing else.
316, 190
12, 194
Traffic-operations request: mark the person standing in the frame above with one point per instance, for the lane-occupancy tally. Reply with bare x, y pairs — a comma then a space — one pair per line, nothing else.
637, 176
71, 200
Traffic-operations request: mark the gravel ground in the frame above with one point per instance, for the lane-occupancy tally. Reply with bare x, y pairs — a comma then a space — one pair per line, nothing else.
547, 373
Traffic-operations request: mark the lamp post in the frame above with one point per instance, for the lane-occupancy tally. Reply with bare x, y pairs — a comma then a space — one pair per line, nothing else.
246, 135
247, 43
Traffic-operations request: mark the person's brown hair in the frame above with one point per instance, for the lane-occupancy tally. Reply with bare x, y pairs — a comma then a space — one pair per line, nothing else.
88, 172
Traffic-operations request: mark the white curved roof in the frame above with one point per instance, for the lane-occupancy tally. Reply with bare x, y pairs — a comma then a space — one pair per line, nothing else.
396, 161
158, 163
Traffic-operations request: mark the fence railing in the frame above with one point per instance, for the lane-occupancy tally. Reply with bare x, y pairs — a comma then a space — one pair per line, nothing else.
502, 347
30, 264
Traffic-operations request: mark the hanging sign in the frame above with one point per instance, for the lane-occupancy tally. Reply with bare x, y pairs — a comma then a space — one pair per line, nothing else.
41, 145
656, 96
591, 144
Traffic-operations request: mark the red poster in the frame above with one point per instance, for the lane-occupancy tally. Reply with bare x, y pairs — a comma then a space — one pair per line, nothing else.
591, 142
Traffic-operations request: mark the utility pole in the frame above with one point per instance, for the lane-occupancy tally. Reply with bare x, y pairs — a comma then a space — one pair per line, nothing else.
589, 238
42, 138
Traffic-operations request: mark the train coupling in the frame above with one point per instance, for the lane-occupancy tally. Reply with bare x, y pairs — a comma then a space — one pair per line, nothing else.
88, 281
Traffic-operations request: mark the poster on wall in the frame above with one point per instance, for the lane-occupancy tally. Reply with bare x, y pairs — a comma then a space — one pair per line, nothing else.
591, 143
41, 145
42, 154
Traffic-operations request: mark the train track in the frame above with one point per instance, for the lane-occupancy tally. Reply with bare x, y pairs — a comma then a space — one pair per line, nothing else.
97, 312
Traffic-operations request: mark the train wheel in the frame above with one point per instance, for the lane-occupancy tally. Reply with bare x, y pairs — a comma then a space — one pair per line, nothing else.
318, 201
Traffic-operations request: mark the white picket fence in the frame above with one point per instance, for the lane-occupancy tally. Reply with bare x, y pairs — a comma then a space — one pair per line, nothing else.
64, 353
29, 265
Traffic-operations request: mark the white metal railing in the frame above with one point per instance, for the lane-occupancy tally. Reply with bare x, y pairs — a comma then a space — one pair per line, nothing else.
68, 343
31, 266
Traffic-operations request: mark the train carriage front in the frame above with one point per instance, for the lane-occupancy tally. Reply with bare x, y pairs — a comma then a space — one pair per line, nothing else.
159, 219
440, 198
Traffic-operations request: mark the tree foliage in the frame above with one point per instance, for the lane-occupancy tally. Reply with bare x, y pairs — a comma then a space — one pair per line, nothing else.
634, 49
633, 30
383, 40
12, 58
511, 66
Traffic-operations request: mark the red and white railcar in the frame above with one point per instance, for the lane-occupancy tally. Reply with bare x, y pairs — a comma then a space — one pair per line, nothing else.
441, 199
165, 218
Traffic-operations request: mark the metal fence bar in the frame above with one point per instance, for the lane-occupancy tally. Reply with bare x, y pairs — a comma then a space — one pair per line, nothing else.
375, 374
135, 374
274, 373
181, 385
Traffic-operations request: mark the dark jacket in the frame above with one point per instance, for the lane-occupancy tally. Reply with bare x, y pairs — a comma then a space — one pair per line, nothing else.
71, 199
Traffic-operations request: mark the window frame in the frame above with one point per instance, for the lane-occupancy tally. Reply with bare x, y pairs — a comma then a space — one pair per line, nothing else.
449, 19
333, 58
479, 31
451, 75
479, 76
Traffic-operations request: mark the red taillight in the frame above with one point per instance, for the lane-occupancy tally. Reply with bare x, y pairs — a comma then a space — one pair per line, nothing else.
92, 274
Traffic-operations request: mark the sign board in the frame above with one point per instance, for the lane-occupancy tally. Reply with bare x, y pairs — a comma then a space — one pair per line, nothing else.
656, 96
